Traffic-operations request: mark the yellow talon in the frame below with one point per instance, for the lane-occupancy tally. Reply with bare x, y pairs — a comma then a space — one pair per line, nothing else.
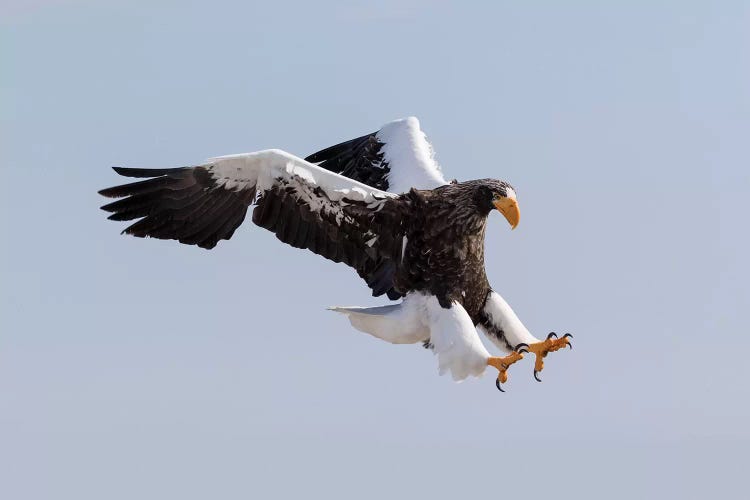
502, 365
541, 349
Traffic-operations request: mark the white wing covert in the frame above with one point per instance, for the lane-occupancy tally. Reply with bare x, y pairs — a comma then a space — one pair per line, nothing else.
396, 158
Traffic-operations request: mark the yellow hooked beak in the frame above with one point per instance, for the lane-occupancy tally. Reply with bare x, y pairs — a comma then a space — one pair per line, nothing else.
509, 208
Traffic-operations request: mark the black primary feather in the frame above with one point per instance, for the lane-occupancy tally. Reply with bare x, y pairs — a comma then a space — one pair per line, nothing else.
360, 159
183, 204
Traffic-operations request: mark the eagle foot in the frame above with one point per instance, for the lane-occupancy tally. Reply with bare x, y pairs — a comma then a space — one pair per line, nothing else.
541, 349
502, 364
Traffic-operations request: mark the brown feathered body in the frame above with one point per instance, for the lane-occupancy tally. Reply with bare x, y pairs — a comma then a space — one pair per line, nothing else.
423, 241
444, 250
429, 241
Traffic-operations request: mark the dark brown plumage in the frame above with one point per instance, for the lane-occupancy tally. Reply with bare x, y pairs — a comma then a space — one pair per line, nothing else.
344, 240
429, 241
360, 159
173, 203
444, 255
444, 230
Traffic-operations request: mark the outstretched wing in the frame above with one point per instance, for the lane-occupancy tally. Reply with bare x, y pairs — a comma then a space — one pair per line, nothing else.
396, 158
304, 205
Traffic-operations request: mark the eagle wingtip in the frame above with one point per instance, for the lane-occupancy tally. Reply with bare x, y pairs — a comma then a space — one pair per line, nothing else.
107, 193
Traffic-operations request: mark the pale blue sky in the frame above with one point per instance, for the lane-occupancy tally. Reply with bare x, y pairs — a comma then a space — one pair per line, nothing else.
152, 370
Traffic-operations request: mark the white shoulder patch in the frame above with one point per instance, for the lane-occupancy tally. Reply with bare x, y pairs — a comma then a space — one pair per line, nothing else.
265, 168
410, 157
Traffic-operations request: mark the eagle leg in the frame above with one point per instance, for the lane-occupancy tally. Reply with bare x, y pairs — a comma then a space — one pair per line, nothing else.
541, 349
502, 364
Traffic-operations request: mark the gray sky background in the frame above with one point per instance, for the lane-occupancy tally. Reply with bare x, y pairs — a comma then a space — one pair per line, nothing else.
149, 369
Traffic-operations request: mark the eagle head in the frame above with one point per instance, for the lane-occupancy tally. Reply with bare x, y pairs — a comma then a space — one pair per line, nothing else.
492, 194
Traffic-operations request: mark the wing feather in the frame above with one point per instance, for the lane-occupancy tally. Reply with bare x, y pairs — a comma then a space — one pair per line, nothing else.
305, 205
396, 158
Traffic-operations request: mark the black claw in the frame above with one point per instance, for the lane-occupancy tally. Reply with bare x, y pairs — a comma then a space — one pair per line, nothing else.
522, 347
551, 335
536, 376
499, 387
568, 336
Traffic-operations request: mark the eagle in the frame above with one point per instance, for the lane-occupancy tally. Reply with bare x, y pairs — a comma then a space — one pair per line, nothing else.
379, 204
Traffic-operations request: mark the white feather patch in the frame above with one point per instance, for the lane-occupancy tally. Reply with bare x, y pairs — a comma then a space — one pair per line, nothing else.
504, 318
409, 156
401, 323
457, 344
420, 317
273, 167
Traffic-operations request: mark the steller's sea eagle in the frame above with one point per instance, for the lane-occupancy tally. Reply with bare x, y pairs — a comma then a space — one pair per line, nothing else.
379, 204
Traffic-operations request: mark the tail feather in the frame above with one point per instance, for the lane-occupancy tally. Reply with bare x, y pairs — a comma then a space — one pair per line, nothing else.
395, 323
